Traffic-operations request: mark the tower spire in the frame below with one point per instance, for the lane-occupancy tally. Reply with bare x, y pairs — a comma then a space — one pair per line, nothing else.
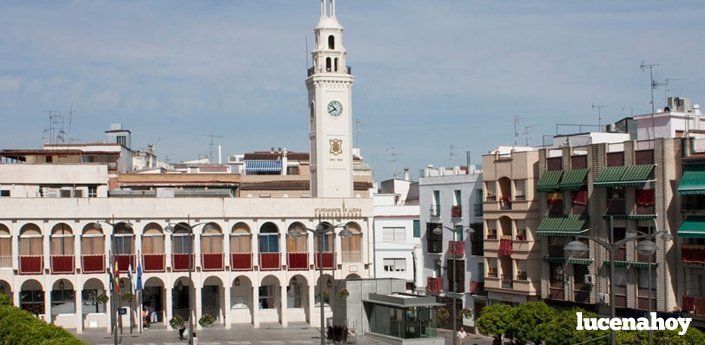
332, 8
324, 12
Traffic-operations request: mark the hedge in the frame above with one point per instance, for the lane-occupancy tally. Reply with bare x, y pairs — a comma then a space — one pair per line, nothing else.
19, 327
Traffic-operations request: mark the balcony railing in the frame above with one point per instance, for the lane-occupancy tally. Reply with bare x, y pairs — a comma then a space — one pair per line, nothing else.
507, 282
182, 262
270, 261
297, 261
352, 256
556, 291
693, 253
581, 293
505, 246
91, 263
492, 273
620, 254
616, 207
241, 261
153, 262
456, 249
124, 261
62, 264
31, 264
212, 261
456, 211
434, 285
5, 261
492, 234
328, 262
505, 202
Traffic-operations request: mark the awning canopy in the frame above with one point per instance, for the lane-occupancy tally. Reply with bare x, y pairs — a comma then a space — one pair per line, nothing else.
636, 264
628, 175
693, 180
692, 227
572, 225
573, 179
549, 180
561, 260
255, 166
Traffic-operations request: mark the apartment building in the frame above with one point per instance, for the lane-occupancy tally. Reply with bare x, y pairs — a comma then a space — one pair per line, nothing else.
511, 216
452, 232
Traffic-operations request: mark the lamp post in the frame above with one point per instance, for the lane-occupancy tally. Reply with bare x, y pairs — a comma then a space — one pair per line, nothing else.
648, 247
321, 230
579, 249
116, 294
171, 228
439, 231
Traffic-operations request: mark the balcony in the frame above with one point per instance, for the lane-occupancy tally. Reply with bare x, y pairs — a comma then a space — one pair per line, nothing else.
182, 262
124, 261
616, 207
556, 291
270, 261
456, 211
521, 275
693, 253
212, 262
581, 293
477, 288
505, 246
62, 264
492, 272
505, 202
91, 263
456, 249
153, 262
507, 282
694, 305
351, 256
328, 262
434, 285
435, 210
297, 261
31, 264
620, 254
241, 261
643, 299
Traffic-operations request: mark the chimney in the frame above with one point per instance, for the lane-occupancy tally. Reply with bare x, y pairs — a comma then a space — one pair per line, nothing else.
220, 154
406, 174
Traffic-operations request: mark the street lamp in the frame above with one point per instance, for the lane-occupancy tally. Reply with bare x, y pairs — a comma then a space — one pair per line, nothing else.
648, 248
321, 230
115, 314
171, 228
439, 231
579, 249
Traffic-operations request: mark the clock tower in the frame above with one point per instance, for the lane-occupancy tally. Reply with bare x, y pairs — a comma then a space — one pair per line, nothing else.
329, 84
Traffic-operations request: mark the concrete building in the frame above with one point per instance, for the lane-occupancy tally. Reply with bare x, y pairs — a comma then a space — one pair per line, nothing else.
511, 216
245, 267
450, 201
397, 233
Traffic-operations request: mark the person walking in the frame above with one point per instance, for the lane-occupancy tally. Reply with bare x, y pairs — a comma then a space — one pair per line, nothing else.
195, 339
462, 336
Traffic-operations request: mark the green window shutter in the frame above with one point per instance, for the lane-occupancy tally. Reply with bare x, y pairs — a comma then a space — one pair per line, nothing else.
417, 228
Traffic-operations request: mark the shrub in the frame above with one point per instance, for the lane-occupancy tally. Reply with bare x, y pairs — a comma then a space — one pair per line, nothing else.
561, 330
206, 320
529, 322
176, 322
494, 320
22, 328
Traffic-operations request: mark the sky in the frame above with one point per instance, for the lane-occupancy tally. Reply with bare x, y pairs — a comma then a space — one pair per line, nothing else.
433, 79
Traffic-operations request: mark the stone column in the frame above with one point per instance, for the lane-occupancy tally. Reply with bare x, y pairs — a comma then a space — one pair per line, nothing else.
47, 303
197, 307
283, 304
226, 306
311, 304
79, 308
78, 263
196, 249
46, 246
169, 307
255, 306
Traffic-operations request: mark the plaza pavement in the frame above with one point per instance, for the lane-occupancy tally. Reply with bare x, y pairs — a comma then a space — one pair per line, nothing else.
295, 334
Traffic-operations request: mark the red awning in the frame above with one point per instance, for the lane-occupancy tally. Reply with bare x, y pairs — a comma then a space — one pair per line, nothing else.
645, 197
580, 198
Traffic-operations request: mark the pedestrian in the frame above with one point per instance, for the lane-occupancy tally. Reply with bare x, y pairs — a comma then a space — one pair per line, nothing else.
195, 339
145, 319
182, 329
462, 335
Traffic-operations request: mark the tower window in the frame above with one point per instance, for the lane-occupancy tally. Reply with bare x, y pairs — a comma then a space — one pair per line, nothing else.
331, 42
336, 64
328, 65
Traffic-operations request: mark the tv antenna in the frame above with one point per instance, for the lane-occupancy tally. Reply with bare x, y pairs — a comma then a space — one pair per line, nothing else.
526, 133
516, 129
451, 154
599, 108
392, 160
667, 87
644, 66
211, 146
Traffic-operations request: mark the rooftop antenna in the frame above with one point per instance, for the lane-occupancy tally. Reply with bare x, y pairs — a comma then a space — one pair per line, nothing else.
357, 132
526, 133
667, 87
392, 160
516, 130
451, 154
599, 108
211, 145
306, 40
644, 66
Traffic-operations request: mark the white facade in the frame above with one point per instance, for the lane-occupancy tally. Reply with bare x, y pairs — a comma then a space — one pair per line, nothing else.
678, 118
46, 180
397, 248
440, 190
329, 87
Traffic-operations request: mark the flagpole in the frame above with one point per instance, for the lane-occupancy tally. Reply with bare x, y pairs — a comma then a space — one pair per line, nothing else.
138, 285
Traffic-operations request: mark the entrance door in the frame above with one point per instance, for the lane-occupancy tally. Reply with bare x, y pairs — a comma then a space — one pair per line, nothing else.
152, 299
180, 301
211, 296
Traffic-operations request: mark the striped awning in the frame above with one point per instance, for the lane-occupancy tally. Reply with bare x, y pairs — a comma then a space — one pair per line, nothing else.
549, 181
572, 225
561, 260
573, 179
628, 175
692, 227
635, 264
693, 180
256, 166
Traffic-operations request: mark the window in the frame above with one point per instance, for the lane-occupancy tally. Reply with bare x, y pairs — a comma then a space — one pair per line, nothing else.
434, 242
394, 265
90, 302
266, 297
417, 228
520, 187
476, 240
615, 159
644, 278
4, 193
394, 234
436, 203
293, 295
335, 64
269, 243
620, 276
292, 170
32, 301
578, 162
65, 193
181, 244
122, 140
92, 191
556, 272
579, 272
328, 64
555, 163
331, 42
457, 198
78, 193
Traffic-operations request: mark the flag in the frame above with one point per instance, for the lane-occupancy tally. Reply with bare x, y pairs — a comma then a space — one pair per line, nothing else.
116, 276
129, 277
138, 285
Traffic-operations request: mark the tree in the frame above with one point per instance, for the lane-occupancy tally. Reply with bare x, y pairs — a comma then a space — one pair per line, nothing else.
691, 337
494, 320
561, 330
529, 322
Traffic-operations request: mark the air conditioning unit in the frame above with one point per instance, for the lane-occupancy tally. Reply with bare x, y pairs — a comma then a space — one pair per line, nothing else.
603, 298
589, 279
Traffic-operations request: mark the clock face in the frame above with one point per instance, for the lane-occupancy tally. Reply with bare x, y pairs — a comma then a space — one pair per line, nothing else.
335, 109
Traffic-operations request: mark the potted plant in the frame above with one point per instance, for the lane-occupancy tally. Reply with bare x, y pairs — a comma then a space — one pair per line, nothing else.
344, 293
206, 320
127, 296
442, 314
176, 322
103, 298
466, 313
